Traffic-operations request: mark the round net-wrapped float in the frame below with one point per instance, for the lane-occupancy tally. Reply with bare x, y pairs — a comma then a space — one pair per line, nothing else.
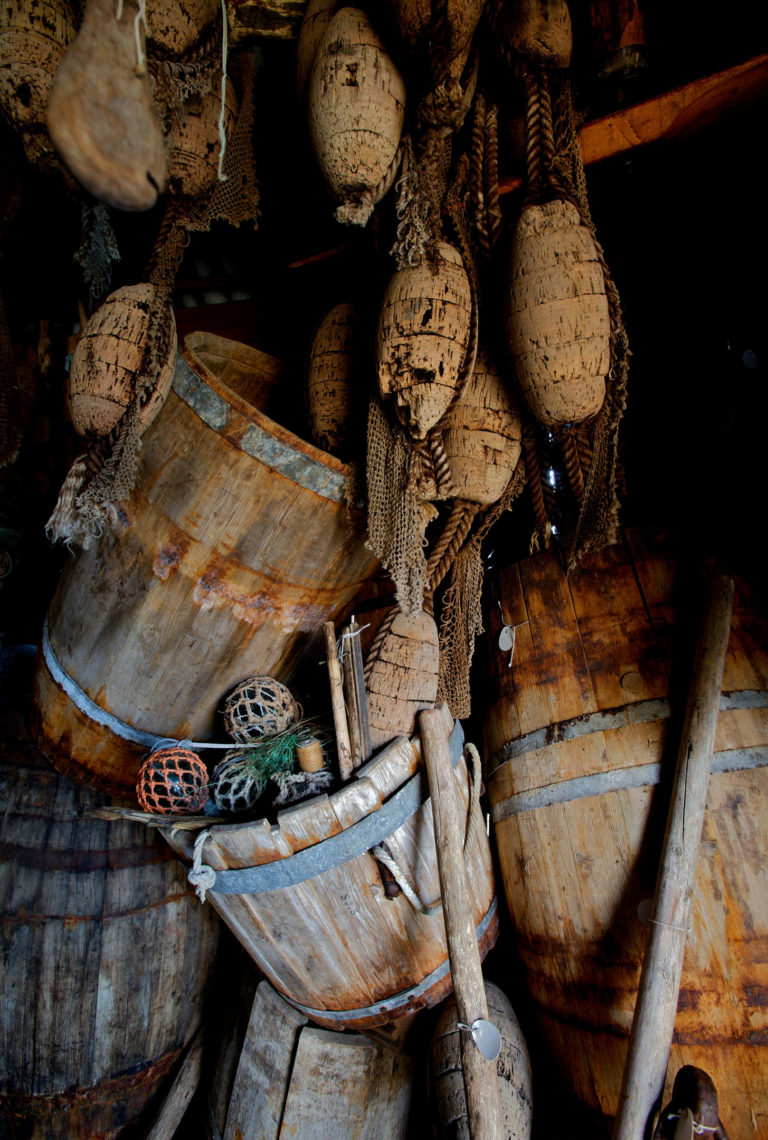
259, 706
173, 781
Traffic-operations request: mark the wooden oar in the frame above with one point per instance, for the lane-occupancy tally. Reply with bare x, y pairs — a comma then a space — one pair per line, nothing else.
654, 1018
343, 748
480, 1081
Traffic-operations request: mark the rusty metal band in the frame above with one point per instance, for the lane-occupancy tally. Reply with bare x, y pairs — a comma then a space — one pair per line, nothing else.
396, 1001
288, 461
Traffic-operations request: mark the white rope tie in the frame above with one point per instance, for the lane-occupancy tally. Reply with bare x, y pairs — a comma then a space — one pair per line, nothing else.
140, 18
201, 876
699, 1129
474, 819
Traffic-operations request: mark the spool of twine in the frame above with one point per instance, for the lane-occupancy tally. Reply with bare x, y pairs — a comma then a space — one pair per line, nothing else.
310, 756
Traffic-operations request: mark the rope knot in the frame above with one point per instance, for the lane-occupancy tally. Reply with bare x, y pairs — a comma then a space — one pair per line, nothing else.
201, 876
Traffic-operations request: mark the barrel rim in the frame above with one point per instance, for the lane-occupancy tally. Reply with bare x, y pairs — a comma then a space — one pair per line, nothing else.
254, 415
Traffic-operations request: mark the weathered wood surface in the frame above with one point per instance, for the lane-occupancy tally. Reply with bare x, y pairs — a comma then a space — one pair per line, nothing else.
557, 321
295, 1080
250, 374
356, 109
576, 869
101, 114
355, 695
482, 435
180, 1093
654, 1017
264, 1071
193, 141
513, 1072
234, 547
483, 1101
422, 339
343, 747
107, 361
252, 20
334, 943
403, 677
106, 957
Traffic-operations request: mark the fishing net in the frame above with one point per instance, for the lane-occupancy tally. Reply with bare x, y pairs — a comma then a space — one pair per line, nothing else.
173, 780
259, 706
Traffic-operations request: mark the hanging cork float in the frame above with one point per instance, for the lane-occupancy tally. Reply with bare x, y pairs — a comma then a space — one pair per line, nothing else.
194, 143
107, 362
34, 37
356, 111
401, 676
317, 16
538, 30
458, 20
330, 383
482, 435
101, 114
175, 26
423, 336
557, 321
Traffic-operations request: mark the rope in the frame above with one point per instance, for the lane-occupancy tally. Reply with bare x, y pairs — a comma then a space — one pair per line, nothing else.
478, 174
201, 876
357, 209
474, 822
533, 471
378, 641
573, 465
456, 529
491, 173
222, 109
440, 464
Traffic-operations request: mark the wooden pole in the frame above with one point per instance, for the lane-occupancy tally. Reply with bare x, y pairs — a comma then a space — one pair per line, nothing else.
357, 702
654, 1018
480, 1081
343, 747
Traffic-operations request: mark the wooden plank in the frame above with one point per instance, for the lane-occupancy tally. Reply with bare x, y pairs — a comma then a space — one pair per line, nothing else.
264, 1070
670, 115
180, 1094
253, 20
348, 1087
355, 800
391, 767
305, 824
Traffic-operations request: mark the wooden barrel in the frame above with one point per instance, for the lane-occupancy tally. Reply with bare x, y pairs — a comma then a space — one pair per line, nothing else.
306, 897
581, 752
513, 1072
231, 552
106, 957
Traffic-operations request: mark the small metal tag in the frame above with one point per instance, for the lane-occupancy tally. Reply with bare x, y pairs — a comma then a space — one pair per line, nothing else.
684, 1130
487, 1038
507, 639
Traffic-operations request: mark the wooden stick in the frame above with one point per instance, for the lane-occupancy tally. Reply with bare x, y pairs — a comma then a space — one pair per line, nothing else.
181, 1092
480, 1081
654, 1019
357, 702
343, 747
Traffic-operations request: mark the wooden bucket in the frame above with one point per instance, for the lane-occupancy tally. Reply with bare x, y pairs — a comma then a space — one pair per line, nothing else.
106, 957
231, 552
581, 753
306, 897
295, 1080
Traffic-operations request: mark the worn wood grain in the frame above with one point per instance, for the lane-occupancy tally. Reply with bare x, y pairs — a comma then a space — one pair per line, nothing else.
180, 1093
482, 1092
264, 1070
348, 1087
231, 551
654, 1016
575, 871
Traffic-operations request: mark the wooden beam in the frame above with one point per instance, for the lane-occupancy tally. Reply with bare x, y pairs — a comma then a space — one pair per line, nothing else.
670, 115
252, 20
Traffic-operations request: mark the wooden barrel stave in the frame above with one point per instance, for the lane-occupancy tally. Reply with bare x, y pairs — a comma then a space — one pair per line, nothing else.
106, 957
575, 871
206, 578
334, 944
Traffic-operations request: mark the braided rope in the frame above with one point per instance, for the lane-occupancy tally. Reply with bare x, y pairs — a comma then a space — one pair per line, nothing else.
378, 641
477, 176
573, 465
457, 527
535, 481
441, 466
533, 141
491, 174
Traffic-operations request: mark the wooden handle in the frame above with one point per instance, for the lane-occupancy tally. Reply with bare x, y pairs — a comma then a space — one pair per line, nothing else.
654, 1018
480, 1081
343, 747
